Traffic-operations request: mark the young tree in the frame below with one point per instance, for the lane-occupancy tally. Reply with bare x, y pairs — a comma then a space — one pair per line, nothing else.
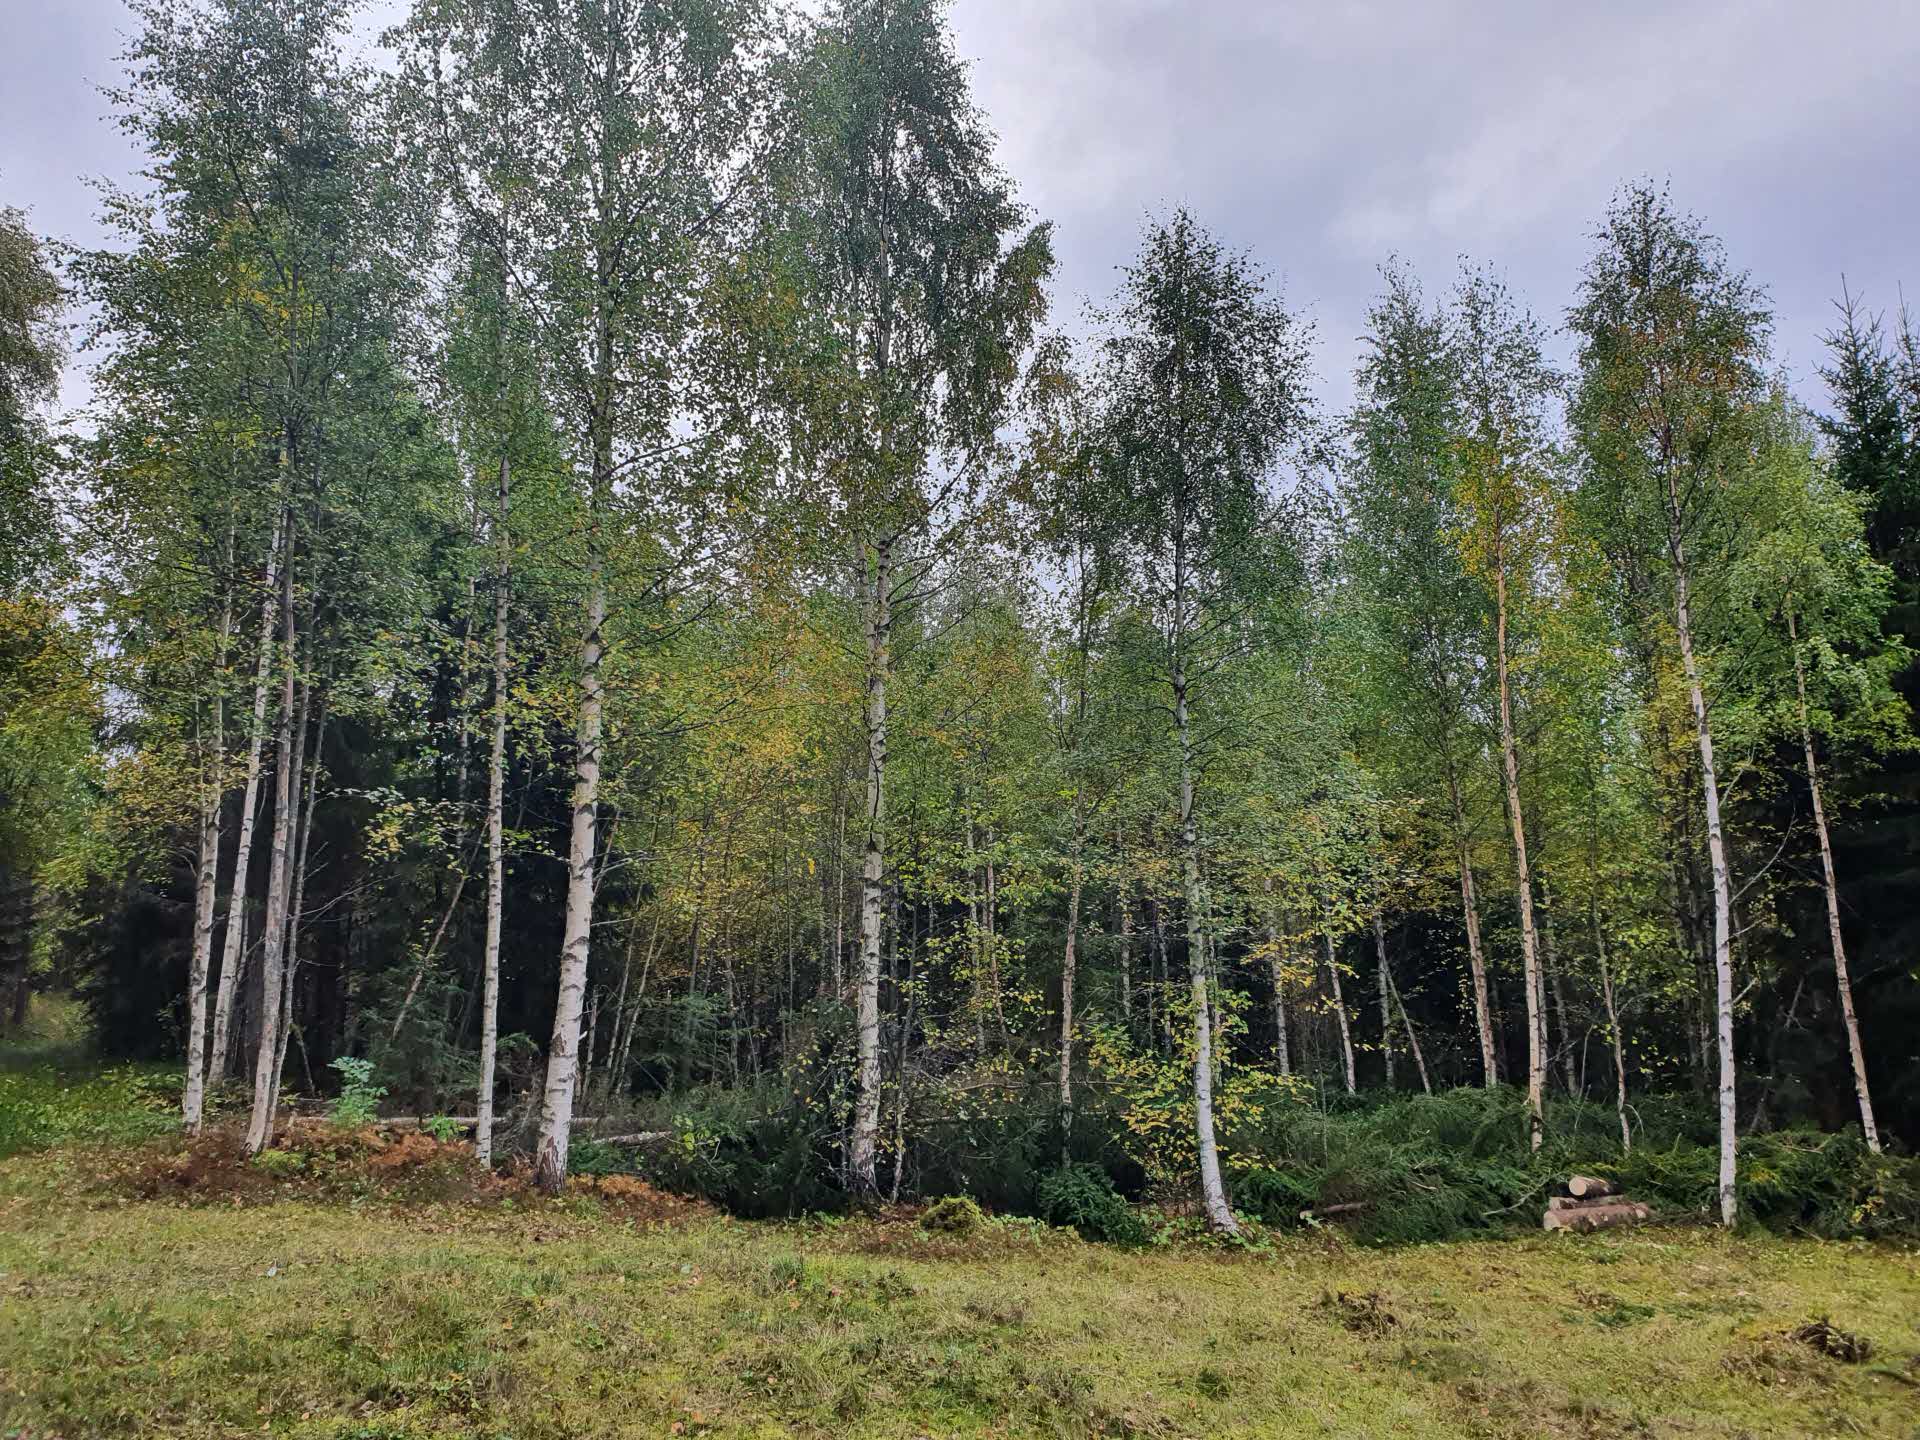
1204, 389
1818, 595
245, 321
602, 156
926, 287
1672, 344
1426, 614
1507, 522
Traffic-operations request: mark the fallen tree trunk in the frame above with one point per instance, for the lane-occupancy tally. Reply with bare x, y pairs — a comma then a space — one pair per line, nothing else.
1345, 1207
1595, 1216
1587, 1187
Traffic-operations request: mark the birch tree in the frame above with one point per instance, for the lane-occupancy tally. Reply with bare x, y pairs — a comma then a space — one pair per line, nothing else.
1507, 512
1426, 615
1672, 348
925, 281
1819, 598
603, 156
1204, 386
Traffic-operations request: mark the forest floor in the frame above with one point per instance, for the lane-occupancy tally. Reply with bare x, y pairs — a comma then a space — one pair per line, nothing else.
374, 1291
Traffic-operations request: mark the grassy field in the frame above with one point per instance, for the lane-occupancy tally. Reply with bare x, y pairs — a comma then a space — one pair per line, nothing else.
349, 1287
136, 1305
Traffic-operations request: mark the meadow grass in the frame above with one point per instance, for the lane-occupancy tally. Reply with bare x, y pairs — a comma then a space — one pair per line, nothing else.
356, 1316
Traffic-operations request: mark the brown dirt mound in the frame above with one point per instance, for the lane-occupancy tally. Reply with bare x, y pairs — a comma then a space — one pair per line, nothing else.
633, 1198
214, 1166
313, 1160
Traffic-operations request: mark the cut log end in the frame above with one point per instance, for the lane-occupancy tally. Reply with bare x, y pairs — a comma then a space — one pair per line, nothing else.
1588, 1187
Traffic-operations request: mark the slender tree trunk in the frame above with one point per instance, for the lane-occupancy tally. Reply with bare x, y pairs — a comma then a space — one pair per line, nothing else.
619, 1022
310, 767
864, 1143
273, 932
1340, 1011
1717, 859
433, 948
249, 810
640, 998
592, 1043
556, 1109
1067, 966
1213, 1190
206, 877
1126, 962
1276, 974
1555, 978
496, 831
1413, 1037
1613, 1028
563, 1050
900, 1071
1841, 978
1523, 878
1476, 956
1386, 995
1163, 980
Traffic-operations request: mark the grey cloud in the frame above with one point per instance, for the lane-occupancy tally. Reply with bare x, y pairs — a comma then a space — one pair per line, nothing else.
1324, 136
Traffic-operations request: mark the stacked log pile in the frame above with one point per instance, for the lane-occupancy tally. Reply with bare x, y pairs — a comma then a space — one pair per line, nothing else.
1592, 1204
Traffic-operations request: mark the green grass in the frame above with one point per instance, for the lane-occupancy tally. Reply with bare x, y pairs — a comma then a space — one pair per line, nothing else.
52, 1091
321, 1296
361, 1318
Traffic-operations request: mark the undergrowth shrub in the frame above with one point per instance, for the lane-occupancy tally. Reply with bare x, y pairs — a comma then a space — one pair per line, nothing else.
1084, 1197
954, 1215
759, 1150
1828, 1185
359, 1098
40, 1107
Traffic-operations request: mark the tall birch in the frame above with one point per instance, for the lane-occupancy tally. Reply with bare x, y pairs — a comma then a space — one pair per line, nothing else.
924, 283
1204, 393
1671, 384
603, 159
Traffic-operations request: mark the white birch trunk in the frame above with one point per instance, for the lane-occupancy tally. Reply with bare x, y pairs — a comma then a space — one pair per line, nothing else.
864, 1142
231, 949
1613, 1032
1413, 1036
1476, 956
310, 766
496, 834
1276, 973
1340, 1010
1523, 879
273, 932
1213, 1192
1386, 995
1855, 1052
206, 882
556, 1108
1554, 979
1717, 859
1067, 966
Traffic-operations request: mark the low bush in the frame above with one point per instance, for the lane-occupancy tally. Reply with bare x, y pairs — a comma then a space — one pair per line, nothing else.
955, 1215
1084, 1197
359, 1098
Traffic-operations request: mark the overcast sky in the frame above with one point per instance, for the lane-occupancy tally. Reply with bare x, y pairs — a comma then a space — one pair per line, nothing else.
1325, 136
